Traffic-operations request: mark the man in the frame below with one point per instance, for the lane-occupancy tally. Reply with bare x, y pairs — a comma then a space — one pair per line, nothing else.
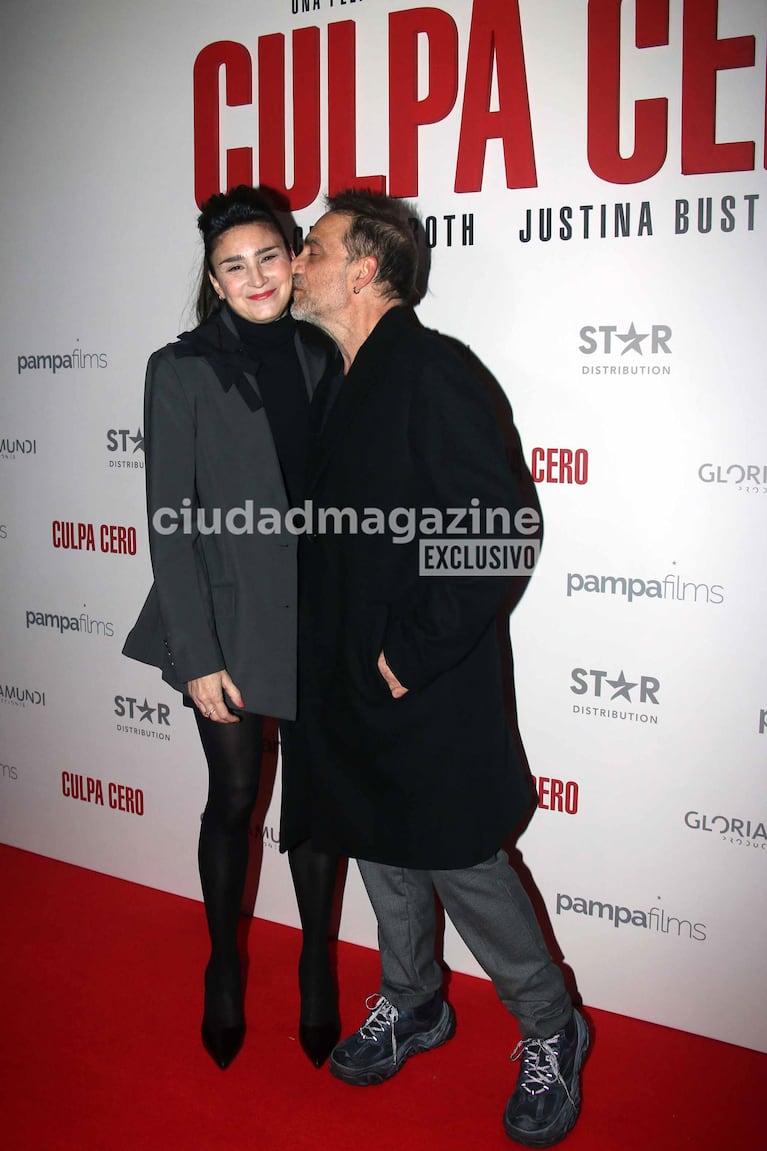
413, 769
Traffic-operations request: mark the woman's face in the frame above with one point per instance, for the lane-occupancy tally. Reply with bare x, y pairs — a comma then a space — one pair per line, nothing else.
252, 272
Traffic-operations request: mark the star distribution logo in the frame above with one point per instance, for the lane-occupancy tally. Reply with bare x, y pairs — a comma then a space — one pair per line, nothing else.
610, 341
118, 441
639, 692
155, 716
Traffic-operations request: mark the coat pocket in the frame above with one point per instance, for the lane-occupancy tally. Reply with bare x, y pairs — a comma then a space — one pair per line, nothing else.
365, 640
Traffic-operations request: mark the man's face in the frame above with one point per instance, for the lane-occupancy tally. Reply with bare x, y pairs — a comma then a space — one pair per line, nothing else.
322, 274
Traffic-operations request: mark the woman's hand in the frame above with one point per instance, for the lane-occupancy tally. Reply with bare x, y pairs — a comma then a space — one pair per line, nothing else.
207, 695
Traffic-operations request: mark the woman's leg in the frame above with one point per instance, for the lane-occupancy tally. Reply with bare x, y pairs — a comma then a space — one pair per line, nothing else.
314, 878
233, 752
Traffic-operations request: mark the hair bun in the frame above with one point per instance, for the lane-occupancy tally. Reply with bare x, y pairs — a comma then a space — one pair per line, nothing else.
240, 204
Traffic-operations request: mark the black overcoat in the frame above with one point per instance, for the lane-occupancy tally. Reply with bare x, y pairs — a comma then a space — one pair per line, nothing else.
431, 780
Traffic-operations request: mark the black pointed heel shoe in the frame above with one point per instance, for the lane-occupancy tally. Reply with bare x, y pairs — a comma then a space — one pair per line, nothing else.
222, 1043
318, 1040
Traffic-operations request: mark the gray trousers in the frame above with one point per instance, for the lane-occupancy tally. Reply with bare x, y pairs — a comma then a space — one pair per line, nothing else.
496, 921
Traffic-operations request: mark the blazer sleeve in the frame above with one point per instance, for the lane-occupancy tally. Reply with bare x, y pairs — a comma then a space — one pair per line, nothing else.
459, 453
181, 580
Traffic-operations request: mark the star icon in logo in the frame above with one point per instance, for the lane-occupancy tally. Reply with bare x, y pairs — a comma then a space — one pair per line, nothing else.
632, 339
147, 712
138, 439
622, 687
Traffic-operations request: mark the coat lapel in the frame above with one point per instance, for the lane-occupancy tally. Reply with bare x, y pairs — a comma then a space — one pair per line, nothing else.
354, 389
217, 341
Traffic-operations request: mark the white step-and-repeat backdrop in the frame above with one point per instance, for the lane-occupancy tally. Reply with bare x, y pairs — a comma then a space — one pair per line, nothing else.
592, 181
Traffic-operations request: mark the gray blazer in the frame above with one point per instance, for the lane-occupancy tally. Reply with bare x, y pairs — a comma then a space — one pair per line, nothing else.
220, 599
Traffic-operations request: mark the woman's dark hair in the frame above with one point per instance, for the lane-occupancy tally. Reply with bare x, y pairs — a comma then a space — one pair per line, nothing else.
219, 213
381, 226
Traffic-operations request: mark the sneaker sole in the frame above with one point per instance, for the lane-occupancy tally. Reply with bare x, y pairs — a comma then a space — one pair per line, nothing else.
426, 1041
568, 1117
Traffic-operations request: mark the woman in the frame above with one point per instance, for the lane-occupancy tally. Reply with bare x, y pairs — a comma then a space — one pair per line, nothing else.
226, 431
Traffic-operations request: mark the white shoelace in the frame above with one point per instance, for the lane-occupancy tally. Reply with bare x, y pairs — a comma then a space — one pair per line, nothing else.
383, 1015
540, 1065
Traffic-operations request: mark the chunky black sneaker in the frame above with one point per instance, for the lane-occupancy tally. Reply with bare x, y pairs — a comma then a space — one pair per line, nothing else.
547, 1099
388, 1037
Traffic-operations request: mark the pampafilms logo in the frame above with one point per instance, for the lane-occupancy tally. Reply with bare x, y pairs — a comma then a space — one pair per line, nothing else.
656, 919
60, 361
672, 588
80, 623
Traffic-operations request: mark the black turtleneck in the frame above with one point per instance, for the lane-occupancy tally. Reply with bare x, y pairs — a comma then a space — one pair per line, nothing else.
281, 382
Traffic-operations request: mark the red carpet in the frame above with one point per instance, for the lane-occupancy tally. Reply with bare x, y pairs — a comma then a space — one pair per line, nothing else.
100, 1051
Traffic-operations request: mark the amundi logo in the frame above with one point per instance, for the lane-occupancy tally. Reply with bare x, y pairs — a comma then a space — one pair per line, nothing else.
21, 696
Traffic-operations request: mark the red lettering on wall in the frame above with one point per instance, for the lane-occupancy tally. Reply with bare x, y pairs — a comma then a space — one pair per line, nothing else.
703, 56
495, 38
224, 77
306, 115
235, 60
559, 466
604, 94
342, 113
406, 112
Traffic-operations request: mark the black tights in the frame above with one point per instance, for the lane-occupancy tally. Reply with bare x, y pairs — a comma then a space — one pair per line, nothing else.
233, 752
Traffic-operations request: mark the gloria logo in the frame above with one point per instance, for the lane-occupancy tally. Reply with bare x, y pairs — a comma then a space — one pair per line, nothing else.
149, 721
654, 919
672, 588
730, 829
113, 539
76, 359
618, 691
126, 448
614, 342
559, 466
84, 623
748, 478
21, 696
12, 448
